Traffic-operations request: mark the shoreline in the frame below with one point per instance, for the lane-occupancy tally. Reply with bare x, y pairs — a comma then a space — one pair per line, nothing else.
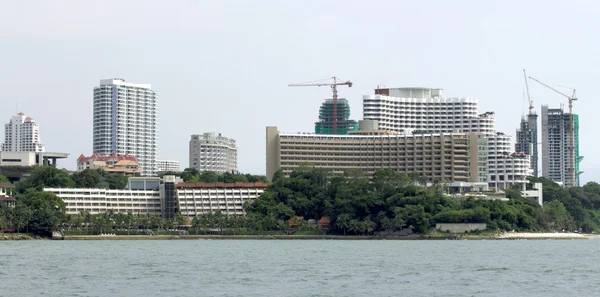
498, 236
435, 236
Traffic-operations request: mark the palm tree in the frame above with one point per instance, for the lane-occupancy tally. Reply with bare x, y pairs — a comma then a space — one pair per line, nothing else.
343, 222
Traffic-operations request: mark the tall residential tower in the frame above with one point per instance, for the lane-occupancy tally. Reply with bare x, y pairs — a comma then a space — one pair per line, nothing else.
527, 140
125, 121
22, 134
557, 160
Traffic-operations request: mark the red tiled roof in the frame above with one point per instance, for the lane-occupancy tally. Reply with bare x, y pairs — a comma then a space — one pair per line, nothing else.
96, 157
221, 185
6, 186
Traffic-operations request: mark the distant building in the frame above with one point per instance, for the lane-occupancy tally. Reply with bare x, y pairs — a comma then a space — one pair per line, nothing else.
22, 134
213, 152
557, 159
166, 196
125, 121
168, 166
527, 140
120, 164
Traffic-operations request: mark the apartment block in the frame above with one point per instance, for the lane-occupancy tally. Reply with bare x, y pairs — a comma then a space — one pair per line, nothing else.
213, 152
22, 134
168, 166
560, 163
446, 157
125, 121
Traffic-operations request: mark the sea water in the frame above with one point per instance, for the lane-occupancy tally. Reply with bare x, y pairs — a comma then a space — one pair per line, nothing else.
300, 268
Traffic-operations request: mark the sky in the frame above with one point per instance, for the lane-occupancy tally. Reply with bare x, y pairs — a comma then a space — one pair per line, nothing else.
224, 66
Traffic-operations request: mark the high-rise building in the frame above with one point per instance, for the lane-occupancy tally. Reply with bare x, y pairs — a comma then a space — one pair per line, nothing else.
213, 152
425, 110
343, 124
527, 138
168, 166
125, 121
557, 159
22, 134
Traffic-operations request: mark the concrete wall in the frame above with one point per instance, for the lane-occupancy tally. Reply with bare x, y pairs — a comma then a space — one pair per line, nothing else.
460, 228
17, 158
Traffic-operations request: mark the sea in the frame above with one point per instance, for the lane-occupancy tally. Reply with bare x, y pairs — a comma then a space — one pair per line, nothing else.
300, 268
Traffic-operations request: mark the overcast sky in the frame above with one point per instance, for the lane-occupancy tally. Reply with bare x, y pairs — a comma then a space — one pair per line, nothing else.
224, 66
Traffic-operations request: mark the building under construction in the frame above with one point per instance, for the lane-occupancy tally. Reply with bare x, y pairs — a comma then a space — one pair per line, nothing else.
527, 142
556, 159
326, 115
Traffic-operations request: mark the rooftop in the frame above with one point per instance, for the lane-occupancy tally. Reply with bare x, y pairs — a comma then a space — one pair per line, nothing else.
221, 185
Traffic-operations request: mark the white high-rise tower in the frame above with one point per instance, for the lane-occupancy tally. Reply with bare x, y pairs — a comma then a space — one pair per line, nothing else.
125, 120
425, 110
22, 134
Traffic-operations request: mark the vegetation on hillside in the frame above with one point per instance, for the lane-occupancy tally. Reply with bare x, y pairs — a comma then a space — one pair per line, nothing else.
393, 201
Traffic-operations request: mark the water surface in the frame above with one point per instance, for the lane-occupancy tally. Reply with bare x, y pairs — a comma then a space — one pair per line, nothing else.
300, 268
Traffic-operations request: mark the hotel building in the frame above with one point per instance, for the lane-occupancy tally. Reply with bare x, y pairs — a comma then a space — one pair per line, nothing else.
426, 110
446, 157
166, 196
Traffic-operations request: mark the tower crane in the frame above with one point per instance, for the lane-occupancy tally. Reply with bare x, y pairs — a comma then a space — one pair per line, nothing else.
333, 89
571, 98
528, 97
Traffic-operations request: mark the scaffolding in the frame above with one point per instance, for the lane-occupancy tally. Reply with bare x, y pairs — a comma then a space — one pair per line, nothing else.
344, 123
578, 158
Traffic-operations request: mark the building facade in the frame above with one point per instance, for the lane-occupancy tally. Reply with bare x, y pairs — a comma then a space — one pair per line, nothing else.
527, 140
28, 159
425, 110
22, 134
168, 166
213, 152
228, 198
558, 162
165, 196
125, 121
447, 157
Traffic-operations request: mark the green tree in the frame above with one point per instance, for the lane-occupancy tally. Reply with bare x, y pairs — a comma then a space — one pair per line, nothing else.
4, 179
45, 177
46, 211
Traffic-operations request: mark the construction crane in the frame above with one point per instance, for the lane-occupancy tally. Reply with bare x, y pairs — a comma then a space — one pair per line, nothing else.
571, 98
528, 97
334, 90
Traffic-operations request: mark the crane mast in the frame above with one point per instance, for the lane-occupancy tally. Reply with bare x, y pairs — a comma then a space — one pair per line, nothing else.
334, 95
528, 97
571, 98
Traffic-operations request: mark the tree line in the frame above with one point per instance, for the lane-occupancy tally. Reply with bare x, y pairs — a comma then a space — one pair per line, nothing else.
355, 203
389, 201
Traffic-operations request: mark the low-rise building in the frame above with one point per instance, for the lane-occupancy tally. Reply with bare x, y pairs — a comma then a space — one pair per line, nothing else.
166, 196
120, 164
229, 198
